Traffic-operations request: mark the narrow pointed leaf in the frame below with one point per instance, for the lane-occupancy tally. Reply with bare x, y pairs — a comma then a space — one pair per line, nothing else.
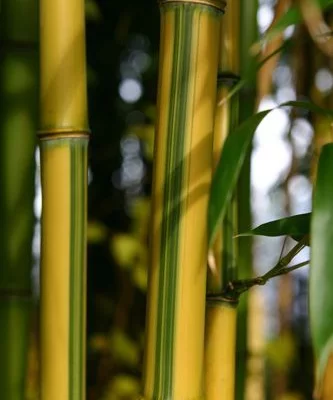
321, 272
231, 161
294, 226
309, 106
228, 169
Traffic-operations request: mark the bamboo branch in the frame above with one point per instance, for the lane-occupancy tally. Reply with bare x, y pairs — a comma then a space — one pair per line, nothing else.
235, 288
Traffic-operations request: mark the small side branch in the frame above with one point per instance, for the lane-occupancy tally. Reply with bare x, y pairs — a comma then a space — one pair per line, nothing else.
235, 288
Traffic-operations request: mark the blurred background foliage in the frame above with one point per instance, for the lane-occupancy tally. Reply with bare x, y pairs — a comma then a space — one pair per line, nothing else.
122, 57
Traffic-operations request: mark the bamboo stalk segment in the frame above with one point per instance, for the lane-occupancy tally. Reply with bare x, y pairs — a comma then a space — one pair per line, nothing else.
220, 349
15, 313
18, 120
63, 68
226, 118
63, 143
218, 4
230, 35
248, 35
221, 316
182, 173
321, 277
221, 313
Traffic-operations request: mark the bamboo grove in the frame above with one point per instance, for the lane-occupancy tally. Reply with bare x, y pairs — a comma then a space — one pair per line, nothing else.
211, 78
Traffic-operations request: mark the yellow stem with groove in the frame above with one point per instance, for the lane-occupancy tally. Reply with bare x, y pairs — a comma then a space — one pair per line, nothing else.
221, 313
63, 142
182, 172
220, 350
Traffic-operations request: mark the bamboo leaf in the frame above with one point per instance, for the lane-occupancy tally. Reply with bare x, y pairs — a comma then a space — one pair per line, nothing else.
321, 272
228, 169
231, 161
295, 226
309, 106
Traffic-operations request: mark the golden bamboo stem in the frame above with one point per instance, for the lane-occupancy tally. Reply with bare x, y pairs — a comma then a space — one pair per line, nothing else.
221, 313
63, 133
220, 350
182, 173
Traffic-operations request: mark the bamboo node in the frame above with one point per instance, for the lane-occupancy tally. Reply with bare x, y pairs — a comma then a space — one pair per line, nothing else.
219, 4
62, 133
216, 299
228, 79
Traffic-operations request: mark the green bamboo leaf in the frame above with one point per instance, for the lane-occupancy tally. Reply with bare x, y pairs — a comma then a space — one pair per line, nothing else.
309, 106
228, 169
295, 226
231, 161
321, 272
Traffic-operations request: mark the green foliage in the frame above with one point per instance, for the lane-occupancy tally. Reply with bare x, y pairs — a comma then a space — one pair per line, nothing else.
122, 387
281, 351
123, 349
296, 226
228, 169
232, 157
321, 274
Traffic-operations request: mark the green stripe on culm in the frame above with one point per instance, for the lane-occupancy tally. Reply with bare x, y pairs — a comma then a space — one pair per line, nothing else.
172, 208
77, 269
84, 178
229, 229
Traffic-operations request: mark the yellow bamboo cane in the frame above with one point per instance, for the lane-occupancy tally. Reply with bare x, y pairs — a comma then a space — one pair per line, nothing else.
63, 142
221, 317
182, 173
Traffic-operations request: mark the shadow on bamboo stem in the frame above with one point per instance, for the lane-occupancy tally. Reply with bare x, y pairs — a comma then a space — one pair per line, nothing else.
195, 193
68, 110
182, 173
